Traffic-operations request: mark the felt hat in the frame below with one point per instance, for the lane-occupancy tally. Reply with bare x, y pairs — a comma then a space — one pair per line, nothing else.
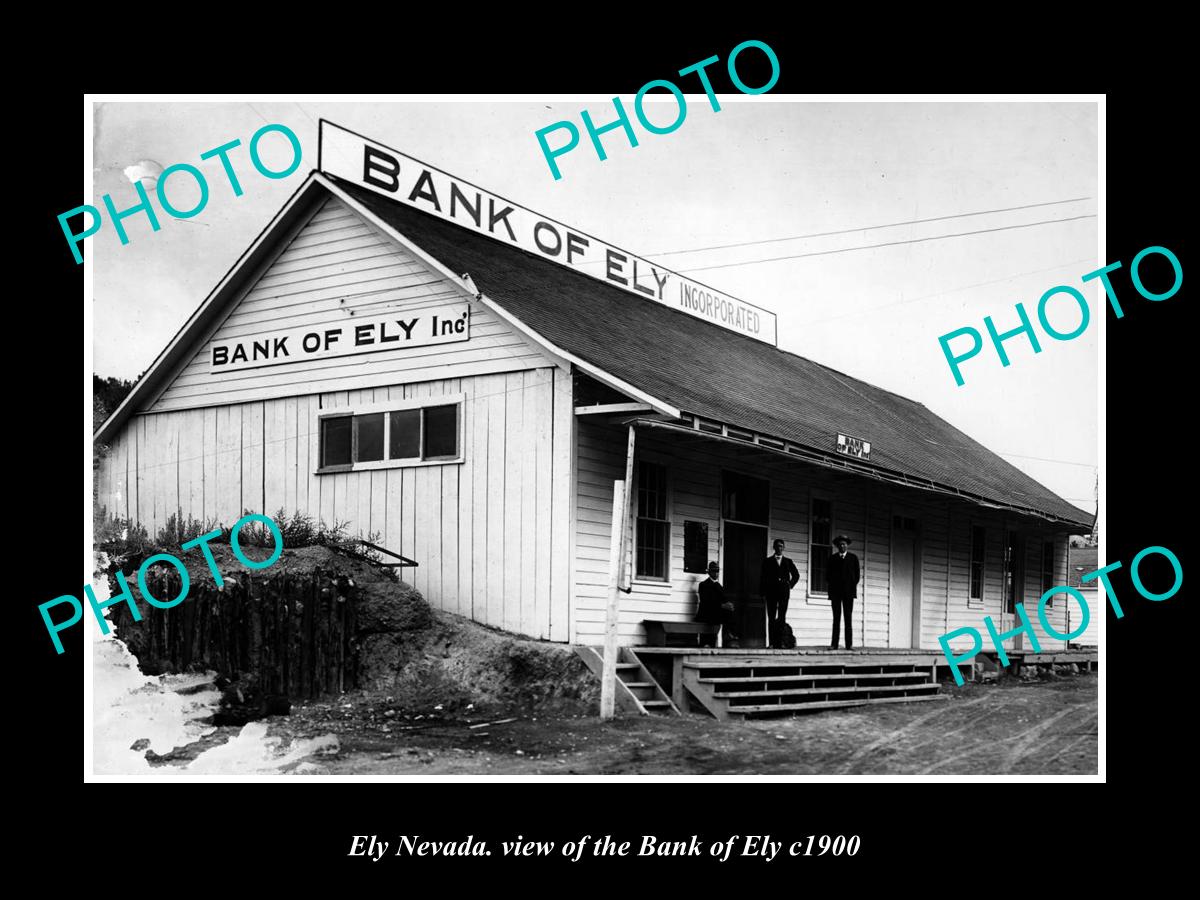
840, 538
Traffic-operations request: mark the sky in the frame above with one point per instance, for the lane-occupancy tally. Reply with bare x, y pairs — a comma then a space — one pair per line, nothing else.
765, 173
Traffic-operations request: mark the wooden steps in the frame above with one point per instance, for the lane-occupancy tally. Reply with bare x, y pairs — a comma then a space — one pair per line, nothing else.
851, 689
636, 690
839, 704
808, 660
816, 678
749, 685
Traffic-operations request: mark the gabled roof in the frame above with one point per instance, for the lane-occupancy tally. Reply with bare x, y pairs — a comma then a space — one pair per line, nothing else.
707, 370
684, 362
263, 250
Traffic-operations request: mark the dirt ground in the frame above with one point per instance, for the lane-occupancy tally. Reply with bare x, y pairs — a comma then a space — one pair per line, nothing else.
1046, 727
446, 696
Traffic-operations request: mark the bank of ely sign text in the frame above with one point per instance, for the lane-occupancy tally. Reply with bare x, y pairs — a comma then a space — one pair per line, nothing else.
441, 325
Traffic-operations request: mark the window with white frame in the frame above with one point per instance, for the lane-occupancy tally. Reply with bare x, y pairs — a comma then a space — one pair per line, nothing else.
820, 545
1048, 570
978, 548
652, 546
386, 435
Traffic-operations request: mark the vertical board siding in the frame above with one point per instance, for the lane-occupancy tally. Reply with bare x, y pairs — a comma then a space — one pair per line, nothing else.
492, 535
485, 532
562, 507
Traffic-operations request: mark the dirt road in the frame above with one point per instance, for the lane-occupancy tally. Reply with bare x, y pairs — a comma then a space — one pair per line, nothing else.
1047, 727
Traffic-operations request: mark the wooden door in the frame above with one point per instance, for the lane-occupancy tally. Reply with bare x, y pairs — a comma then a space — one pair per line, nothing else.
745, 548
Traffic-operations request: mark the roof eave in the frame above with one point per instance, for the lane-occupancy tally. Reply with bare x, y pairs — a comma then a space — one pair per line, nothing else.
814, 456
462, 281
293, 214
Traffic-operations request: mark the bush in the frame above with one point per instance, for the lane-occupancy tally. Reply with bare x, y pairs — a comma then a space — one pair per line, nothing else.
122, 537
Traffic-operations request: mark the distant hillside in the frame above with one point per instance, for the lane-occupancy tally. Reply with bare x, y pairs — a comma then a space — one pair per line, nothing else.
107, 394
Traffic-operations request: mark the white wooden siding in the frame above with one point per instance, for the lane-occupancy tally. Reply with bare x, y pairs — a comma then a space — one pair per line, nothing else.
486, 532
1097, 602
337, 266
693, 478
492, 534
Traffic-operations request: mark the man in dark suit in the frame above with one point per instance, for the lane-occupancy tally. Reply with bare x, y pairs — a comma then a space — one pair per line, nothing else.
714, 609
779, 576
843, 589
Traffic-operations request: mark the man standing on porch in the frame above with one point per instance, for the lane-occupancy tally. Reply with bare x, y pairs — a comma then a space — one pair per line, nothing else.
779, 576
714, 609
843, 589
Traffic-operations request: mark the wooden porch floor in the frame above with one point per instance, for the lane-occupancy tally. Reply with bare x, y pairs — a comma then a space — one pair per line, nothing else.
926, 656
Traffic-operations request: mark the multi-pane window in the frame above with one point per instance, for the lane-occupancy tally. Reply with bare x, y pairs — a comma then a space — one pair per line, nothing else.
1048, 569
820, 545
415, 434
653, 526
978, 546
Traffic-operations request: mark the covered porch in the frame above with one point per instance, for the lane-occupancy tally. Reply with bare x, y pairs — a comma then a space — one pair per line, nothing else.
932, 558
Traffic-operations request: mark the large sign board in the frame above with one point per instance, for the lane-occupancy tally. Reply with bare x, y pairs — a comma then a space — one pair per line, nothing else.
365, 334
399, 177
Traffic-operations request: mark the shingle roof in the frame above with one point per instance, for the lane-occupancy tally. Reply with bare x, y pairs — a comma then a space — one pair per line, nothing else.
715, 373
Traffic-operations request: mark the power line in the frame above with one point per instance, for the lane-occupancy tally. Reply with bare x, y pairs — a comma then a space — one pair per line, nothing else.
1065, 462
303, 110
817, 234
256, 112
937, 237
964, 287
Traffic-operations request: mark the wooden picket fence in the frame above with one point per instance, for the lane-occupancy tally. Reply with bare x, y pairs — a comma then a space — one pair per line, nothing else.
287, 634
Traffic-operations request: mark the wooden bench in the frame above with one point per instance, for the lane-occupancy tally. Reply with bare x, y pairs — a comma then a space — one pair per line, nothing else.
676, 634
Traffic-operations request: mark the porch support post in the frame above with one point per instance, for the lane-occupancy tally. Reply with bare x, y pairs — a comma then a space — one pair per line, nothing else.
629, 501
608, 687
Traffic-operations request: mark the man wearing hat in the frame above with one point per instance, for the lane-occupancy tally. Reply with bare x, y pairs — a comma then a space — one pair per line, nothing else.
843, 589
777, 579
714, 609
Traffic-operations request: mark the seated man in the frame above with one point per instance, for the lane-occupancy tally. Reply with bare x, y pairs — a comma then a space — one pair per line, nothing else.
714, 609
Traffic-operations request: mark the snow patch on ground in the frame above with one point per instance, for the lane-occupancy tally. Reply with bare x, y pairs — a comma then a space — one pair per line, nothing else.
253, 752
131, 709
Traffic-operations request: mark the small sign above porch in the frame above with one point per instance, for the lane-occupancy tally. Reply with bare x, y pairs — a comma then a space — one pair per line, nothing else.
852, 446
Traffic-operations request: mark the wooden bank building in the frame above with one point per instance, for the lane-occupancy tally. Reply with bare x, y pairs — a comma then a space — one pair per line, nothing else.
443, 368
